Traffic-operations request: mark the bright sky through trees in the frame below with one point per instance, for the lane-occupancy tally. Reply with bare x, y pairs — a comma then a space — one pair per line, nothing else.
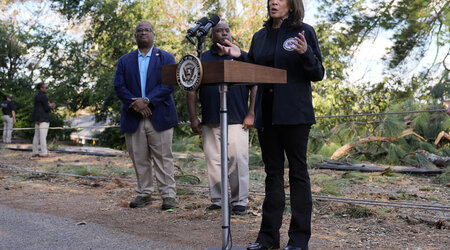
367, 65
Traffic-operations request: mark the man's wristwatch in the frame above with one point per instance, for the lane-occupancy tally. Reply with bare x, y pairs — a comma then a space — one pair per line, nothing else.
146, 100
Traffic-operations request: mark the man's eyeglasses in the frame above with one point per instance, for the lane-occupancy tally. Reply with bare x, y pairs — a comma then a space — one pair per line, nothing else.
144, 29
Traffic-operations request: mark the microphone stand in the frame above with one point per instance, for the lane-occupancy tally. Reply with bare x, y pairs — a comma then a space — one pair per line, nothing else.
226, 231
200, 41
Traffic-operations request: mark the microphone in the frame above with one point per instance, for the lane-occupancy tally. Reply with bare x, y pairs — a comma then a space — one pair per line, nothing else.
205, 28
199, 23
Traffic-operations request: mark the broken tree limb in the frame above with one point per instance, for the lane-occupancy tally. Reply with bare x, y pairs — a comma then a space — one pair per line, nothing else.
439, 161
441, 135
344, 149
376, 168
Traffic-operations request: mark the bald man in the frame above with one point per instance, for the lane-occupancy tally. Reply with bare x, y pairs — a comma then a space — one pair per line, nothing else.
240, 119
148, 116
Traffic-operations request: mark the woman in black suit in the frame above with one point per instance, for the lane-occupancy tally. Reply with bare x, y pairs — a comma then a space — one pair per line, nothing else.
283, 116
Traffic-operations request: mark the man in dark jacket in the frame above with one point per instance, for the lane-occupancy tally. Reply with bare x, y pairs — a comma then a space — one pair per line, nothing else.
240, 119
148, 116
9, 118
41, 118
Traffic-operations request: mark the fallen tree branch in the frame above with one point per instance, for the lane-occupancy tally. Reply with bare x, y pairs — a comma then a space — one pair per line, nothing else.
367, 167
441, 135
344, 149
439, 161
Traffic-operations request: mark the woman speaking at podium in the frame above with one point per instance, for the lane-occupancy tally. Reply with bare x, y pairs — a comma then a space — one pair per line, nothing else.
283, 116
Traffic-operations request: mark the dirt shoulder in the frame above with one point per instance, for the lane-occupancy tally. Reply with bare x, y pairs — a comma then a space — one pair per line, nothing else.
334, 224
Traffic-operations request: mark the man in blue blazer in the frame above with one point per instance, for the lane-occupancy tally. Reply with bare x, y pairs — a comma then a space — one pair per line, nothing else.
148, 116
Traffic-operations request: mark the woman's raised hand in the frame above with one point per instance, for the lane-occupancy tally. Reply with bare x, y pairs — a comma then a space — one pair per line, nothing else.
231, 49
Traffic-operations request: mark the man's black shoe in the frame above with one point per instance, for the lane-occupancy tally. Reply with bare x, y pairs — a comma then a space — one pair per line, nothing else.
168, 203
292, 248
257, 246
141, 201
239, 210
213, 207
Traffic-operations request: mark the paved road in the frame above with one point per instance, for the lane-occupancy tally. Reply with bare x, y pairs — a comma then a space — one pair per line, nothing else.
20, 229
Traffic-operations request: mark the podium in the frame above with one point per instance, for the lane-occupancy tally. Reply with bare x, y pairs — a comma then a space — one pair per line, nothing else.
224, 73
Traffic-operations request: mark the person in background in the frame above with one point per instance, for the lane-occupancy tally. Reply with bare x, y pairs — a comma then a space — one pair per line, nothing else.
9, 118
240, 119
41, 119
283, 116
148, 116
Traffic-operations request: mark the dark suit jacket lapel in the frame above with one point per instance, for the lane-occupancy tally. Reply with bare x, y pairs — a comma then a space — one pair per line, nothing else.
135, 68
152, 68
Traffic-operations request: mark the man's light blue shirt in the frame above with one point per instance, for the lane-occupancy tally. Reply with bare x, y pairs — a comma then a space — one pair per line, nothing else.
143, 62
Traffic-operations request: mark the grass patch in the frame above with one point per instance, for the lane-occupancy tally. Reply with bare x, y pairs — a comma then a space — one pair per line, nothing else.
88, 170
433, 198
333, 187
388, 172
183, 144
254, 158
287, 208
355, 177
385, 210
355, 212
257, 176
314, 160
123, 172
426, 188
328, 149
193, 206
444, 179
184, 191
101, 171
390, 178
328, 184
187, 179
402, 195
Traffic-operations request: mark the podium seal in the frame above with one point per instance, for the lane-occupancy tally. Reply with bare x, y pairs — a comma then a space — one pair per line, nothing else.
189, 73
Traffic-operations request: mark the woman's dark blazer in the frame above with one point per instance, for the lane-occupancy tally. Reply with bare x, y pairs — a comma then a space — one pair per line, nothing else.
292, 103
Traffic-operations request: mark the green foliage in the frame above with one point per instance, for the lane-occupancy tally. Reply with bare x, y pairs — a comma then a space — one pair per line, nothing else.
414, 27
315, 159
428, 147
333, 187
343, 133
395, 154
254, 157
444, 179
103, 171
424, 163
413, 23
329, 185
392, 126
446, 124
444, 151
426, 188
430, 124
328, 149
355, 177
113, 138
80, 69
187, 144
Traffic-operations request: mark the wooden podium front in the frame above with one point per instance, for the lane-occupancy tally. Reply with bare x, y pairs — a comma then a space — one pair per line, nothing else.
230, 72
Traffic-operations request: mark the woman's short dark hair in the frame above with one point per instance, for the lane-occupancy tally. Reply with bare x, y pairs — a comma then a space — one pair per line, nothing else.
39, 85
296, 14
